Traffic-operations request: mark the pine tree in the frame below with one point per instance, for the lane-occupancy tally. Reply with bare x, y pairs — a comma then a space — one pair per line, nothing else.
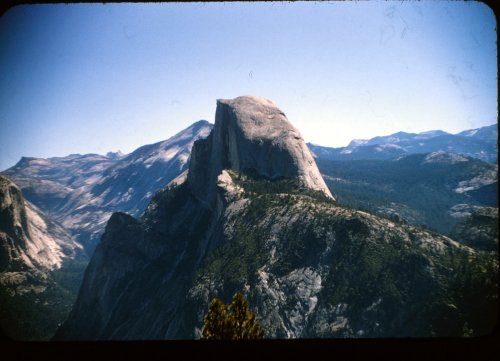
231, 322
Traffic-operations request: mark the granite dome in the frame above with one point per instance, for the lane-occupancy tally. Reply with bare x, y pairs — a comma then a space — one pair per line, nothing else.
252, 135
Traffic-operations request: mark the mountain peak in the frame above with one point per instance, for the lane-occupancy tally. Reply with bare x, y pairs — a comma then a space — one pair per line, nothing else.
199, 124
24, 161
248, 101
115, 155
256, 117
253, 136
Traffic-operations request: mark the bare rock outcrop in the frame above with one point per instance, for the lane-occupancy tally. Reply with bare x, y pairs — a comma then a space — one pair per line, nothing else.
253, 136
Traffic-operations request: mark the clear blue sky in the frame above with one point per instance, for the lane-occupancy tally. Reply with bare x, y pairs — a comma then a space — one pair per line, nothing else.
93, 78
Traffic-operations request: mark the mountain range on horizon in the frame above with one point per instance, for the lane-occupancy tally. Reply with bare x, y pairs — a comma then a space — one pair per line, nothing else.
480, 143
404, 142
251, 157
82, 191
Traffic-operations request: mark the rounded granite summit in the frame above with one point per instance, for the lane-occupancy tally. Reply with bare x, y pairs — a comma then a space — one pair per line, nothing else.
252, 135
259, 117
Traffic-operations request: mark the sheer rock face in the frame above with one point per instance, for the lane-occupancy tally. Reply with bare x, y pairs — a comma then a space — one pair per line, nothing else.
29, 240
13, 223
253, 136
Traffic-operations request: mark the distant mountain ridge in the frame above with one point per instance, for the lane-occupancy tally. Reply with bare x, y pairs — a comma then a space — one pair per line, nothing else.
82, 191
397, 138
481, 143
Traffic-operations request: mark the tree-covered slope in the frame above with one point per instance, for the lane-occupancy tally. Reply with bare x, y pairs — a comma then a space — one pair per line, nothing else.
422, 189
313, 269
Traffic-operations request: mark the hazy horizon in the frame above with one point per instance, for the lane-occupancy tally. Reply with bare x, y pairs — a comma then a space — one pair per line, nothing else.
94, 78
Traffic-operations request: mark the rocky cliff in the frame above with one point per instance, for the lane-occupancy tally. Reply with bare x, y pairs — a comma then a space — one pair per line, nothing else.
253, 215
252, 136
29, 239
32, 249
